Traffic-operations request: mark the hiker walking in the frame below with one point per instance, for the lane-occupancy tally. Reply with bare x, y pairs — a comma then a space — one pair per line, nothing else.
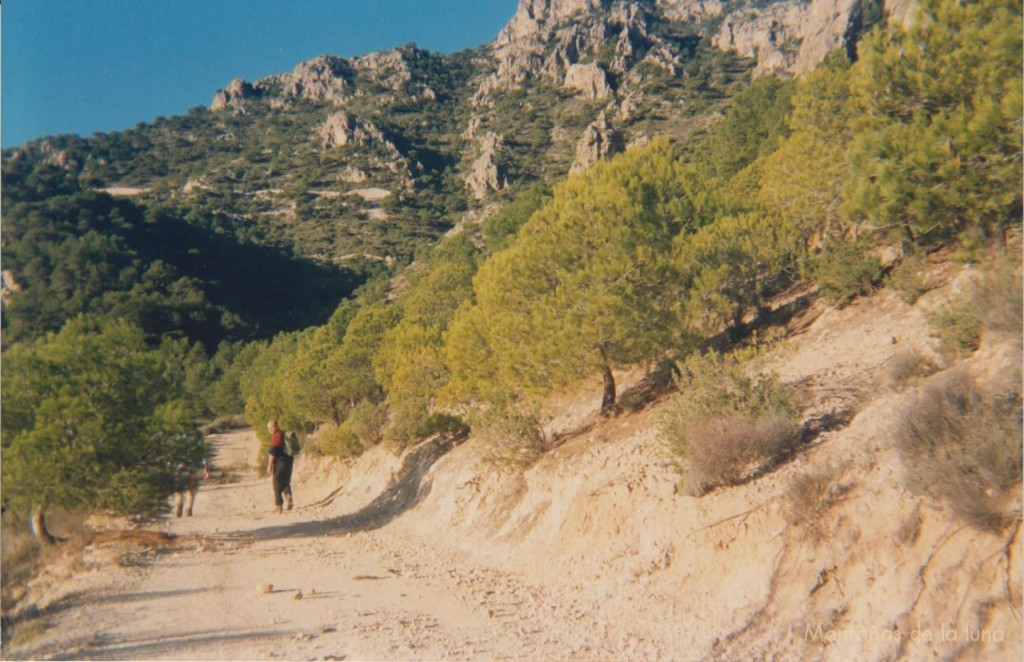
279, 465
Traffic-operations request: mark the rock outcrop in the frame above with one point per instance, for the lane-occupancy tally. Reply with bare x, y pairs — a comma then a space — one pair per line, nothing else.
484, 175
589, 80
341, 129
233, 96
325, 78
690, 10
794, 37
599, 140
331, 79
546, 37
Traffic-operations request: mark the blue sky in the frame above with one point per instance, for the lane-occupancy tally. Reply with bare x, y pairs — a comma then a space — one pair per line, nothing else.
79, 66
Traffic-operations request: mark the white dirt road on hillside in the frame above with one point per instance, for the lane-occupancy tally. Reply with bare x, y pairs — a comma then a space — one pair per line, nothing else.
365, 594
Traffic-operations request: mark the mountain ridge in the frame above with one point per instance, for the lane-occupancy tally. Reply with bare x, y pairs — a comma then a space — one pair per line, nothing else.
563, 84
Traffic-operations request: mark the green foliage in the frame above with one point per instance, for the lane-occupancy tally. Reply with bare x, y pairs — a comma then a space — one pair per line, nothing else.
804, 179
80, 251
723, 425
754, 123
844, 271
957, 328
962, 445
264, 389
938, 144
223, 393
328, 375
411, 364
95, 418
500, 229
589, 282
731, 266
367, 421
341, 442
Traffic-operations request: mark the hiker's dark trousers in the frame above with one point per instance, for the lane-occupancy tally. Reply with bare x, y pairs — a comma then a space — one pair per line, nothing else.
282, 478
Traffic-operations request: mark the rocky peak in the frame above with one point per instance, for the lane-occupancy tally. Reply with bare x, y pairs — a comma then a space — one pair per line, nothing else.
545, 38
330, 79
233, 96
324, 78
394, 69
534, 16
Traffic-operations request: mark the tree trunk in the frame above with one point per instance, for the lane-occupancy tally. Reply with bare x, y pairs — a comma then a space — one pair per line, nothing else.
908, 232
608, 407
38, 527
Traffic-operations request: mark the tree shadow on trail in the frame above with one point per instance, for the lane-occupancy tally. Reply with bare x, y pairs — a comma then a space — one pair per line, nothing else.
406, 490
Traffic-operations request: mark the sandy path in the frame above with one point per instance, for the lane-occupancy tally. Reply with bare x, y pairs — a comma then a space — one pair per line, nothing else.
365, 594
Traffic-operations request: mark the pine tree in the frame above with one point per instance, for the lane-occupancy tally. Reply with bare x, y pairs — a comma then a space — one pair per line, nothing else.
95, 418
587, 286
937, 150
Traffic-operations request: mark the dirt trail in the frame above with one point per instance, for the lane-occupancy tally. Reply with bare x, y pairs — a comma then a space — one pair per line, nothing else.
343, 588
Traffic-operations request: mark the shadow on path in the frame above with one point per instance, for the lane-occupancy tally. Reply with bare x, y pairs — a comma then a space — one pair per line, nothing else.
101, 647
405, 492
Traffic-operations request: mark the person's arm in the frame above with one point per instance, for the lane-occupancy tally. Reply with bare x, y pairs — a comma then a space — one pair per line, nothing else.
270, 464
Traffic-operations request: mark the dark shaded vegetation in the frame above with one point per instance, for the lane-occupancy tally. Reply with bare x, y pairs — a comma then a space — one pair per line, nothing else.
73, 251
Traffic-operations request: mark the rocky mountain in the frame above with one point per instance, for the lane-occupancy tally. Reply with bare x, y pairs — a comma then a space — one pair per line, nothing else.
367, 158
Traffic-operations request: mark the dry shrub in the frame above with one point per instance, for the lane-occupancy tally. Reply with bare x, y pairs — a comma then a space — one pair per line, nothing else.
963, 446
994, 305
724, 426
908, 365
811, 496
999, 300
513, 437
910, 529
724, 451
